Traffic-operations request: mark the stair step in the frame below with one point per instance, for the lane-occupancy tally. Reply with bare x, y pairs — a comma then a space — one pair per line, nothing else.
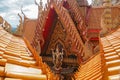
22, 62
117, 44
118, 50
114, 70
109, 50
114, 77
110, 54
12, 53
22, 69
116, 47
27, 73
3, 62
113, 63
12, 79
26, 76
2, 71
27, 58
106, 48
110, 58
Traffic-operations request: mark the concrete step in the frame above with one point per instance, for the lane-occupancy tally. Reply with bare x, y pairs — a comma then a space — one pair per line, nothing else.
114, 70
109, 54
113, 63
114, 77
111, 58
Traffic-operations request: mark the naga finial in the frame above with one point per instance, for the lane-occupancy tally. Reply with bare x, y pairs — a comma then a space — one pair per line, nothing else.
40, 3
23, 12
36, 2
20, 18
40, 6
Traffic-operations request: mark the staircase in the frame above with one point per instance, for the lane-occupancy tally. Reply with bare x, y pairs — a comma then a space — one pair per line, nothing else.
92, 70
69, 27
16, 60
111, 47
104, 65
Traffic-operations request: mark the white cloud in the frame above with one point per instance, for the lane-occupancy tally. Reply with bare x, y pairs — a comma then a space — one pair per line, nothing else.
31, 11
3, 14
89, 1
10, 9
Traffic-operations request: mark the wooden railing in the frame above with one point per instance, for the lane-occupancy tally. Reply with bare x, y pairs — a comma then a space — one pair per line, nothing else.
70, 27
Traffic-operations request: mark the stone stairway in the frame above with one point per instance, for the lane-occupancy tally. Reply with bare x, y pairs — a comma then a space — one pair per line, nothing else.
106, 64
111, 47
92, 70
16, 60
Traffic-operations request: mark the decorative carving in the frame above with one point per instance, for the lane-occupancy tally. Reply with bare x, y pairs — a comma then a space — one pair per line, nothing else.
59, 35
38, 47
40, 7
116, 22
106, 19
38, 40
57, 58
100, 2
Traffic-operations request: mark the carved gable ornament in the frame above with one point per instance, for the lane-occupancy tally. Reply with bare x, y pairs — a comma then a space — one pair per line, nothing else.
60, 37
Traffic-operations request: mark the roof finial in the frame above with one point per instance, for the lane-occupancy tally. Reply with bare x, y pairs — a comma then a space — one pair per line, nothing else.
40, 7
22, 11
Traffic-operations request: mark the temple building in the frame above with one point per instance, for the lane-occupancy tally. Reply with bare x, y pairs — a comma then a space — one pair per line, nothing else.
69, 40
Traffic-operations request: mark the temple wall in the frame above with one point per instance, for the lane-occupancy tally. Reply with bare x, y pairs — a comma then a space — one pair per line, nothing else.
95, 17
95, 13
29, 29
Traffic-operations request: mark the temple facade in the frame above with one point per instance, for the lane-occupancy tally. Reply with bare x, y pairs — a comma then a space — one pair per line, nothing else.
69, 40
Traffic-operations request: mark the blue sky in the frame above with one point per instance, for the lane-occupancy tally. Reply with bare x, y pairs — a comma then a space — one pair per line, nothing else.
10, 8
